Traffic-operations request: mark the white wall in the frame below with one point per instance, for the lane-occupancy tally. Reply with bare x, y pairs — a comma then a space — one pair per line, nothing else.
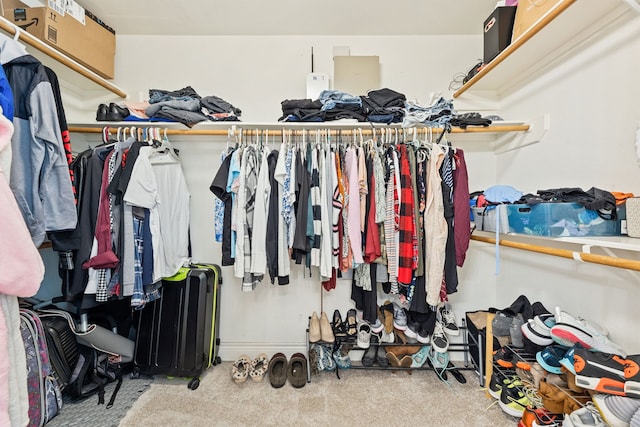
256, 74
592, 100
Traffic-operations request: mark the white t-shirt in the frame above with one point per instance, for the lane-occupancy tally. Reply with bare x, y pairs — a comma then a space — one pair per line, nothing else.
158, 184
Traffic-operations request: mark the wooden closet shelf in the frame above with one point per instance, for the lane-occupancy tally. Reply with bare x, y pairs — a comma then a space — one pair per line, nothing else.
59, 57
249, 128
567, 26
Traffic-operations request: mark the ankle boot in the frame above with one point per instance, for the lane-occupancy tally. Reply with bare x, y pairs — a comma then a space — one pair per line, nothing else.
399, 362
387, 311
403, 350
325, 328
314, 328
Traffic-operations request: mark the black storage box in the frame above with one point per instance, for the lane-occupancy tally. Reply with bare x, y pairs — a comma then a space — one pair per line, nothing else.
497, 31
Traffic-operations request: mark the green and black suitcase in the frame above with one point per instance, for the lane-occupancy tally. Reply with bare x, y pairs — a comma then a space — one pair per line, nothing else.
177, 334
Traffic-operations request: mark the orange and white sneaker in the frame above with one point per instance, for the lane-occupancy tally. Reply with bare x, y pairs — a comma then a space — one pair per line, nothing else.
632, 376
602, 372
539, 417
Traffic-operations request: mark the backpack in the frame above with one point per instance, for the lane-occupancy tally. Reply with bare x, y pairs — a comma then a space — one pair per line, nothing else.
45, 397
87, 369
94, 369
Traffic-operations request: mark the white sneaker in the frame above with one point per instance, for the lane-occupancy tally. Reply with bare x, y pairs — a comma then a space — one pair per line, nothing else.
363, 339
585, 416
589, 335
439, 340
448, 320
617, 411
538, 331
387, 337
399, 317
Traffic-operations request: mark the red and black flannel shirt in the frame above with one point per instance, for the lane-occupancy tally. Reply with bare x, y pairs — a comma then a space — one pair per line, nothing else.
408, 239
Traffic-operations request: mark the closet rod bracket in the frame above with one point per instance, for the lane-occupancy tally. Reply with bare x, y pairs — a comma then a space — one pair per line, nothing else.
538, 128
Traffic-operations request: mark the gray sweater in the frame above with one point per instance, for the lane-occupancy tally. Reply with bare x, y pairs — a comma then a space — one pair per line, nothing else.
40, 178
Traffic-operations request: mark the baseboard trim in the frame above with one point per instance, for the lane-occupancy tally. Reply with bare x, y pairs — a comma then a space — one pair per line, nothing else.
230, 352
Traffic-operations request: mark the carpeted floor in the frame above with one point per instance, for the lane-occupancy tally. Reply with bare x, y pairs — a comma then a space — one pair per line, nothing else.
360, 397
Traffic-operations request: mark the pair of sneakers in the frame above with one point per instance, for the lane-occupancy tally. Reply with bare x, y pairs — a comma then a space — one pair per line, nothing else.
511, 394
434, 328
446, 325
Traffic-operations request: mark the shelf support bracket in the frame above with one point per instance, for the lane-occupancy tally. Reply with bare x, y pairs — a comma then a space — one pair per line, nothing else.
538, 128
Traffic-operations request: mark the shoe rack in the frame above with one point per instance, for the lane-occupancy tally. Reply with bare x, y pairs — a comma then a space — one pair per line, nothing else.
550, 395
452, 371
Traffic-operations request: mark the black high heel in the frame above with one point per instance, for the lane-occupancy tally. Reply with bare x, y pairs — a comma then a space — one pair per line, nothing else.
339, 328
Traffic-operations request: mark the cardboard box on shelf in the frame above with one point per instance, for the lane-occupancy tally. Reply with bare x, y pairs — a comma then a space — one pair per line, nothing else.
528, 13
90, 44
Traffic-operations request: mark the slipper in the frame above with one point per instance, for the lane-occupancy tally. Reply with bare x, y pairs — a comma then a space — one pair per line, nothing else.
259, 367
240, 369
420, 357
297, 370
278, 370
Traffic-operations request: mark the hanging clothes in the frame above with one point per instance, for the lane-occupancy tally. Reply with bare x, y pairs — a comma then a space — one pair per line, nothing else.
341, 209
22, 272
391, 221
40, 178
157, 176
88, 170
262, 196
461, 207
450, 284
247, 205
353, 205
219, 189
435, 227
408, 242
327, 218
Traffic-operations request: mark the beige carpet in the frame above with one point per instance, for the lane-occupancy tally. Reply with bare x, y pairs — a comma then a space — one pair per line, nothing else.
360, 397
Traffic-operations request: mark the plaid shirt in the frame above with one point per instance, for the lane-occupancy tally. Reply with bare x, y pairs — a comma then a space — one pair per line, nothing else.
408, 239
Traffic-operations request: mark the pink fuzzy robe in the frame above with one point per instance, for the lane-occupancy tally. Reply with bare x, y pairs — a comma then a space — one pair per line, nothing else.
22, 272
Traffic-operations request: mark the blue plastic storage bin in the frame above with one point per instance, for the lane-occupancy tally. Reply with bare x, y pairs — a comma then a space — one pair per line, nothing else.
559, 220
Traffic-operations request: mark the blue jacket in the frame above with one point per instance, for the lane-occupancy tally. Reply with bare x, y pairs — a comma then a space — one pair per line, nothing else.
6, 96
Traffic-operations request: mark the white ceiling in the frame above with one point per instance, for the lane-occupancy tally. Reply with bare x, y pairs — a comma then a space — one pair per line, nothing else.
289, 17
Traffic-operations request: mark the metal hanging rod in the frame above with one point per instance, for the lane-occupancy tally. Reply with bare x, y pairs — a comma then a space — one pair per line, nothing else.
628, 264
